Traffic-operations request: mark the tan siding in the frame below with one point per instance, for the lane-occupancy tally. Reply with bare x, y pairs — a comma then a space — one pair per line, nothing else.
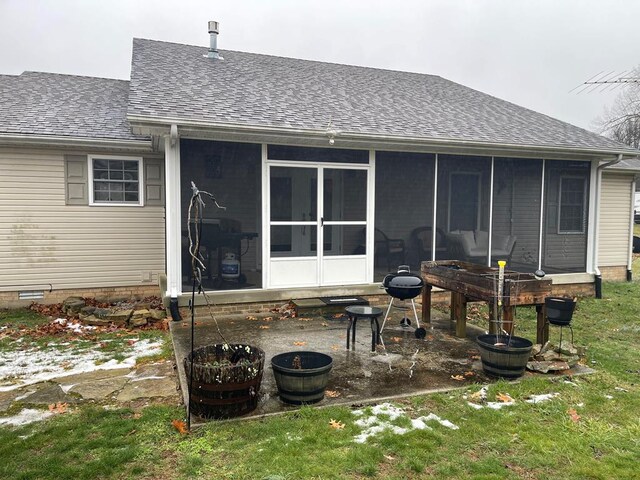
43, 241
615, 220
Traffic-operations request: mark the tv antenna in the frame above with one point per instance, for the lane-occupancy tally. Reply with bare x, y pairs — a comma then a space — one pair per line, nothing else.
607, 81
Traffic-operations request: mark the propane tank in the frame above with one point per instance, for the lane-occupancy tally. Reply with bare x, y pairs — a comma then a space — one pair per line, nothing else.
230, 266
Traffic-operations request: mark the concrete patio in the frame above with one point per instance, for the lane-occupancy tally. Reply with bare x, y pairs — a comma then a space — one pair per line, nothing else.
407, 366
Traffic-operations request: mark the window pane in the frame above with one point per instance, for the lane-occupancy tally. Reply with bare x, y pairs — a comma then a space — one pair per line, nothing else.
109, 178
294, 241
116, 196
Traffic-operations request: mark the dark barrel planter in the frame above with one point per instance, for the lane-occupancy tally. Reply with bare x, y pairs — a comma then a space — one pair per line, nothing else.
301, 377
559, 310
226, 379
502, 357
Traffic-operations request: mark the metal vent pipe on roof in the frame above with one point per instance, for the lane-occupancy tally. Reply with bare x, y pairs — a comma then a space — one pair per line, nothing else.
214, 29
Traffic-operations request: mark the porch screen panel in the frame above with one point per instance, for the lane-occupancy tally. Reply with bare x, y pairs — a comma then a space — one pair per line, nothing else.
404, 211
463, 206
566, 213
231, 172
517, 187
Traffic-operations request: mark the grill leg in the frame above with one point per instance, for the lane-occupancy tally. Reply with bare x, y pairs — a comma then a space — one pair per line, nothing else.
386, 315
415, 313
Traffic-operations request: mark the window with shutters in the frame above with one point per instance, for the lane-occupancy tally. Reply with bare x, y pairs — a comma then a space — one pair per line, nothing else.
115, 181
572, 205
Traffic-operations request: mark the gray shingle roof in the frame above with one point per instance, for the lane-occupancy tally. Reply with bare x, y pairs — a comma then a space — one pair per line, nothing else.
176, 81
35, 103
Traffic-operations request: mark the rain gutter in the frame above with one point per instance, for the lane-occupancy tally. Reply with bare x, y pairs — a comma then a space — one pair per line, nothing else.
62, 141
161, 126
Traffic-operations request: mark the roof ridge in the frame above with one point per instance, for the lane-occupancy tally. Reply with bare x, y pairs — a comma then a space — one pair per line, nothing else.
317, 62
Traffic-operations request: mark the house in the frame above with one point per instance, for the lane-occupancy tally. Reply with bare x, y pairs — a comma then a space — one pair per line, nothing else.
331, 175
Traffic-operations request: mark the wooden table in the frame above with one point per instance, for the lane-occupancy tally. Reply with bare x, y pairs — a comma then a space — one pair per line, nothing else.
469, 282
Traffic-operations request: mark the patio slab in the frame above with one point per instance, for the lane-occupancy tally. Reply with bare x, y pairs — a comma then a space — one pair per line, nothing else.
407, 366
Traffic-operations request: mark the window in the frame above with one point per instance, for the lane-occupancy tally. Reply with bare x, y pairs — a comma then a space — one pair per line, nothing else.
571, 214
115, 181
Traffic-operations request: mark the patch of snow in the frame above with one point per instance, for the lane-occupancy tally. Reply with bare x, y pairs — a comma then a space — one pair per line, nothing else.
541, 398
25, 417
444, 423
609, 397
150, 377
372, 425
26, 367
492, 405
569, 382
475, 405
75, 327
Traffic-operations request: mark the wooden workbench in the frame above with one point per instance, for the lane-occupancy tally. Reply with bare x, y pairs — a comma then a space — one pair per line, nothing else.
469, 282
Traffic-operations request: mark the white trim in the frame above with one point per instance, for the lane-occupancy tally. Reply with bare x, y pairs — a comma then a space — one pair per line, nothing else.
490, 239
542, 219
371, 215
92, 203
63, 141
631, 226
140, 122
173, 218
595, 192
266, 221
434, 227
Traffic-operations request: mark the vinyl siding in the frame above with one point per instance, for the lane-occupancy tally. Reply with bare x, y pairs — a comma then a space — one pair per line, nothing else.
44, 241
615, 220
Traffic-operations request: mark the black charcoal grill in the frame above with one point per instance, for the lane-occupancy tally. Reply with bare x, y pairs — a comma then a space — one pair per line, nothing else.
404, 285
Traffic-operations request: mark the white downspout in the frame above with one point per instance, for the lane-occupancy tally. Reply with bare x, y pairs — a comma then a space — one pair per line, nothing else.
596, 239
632, 223
172, 221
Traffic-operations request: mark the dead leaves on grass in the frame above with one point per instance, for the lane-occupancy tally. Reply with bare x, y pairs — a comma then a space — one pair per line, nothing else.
573, 415
180, 426
58, 407
335, 424
299, 344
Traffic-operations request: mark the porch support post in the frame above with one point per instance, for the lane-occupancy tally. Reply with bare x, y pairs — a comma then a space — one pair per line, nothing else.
172, 220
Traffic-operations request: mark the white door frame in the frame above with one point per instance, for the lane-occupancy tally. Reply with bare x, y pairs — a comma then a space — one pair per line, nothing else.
316, 278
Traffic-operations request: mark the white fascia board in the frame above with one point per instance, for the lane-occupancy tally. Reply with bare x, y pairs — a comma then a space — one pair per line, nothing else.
160, 126
73, 142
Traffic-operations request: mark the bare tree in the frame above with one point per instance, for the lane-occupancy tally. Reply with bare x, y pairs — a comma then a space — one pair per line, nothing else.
621, 121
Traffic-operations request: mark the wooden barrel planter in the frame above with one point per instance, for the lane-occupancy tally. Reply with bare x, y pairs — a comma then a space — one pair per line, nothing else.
504, 356
226, 379
559, 310
301, 377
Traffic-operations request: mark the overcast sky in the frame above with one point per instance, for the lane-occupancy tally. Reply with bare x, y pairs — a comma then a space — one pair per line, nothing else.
530, 52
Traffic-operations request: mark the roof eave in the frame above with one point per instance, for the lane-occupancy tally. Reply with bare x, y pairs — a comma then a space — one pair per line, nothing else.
145, 125
40, 141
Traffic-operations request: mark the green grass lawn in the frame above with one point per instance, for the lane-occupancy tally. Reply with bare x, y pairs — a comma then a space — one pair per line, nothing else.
601, 440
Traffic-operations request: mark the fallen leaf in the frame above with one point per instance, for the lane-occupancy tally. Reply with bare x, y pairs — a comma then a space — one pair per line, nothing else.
475, 357
332, 393
267, 319
264, 327
180, 426
504, 398
335, 347
324, 324
131, 342
430, 337
390, 458
469, 374
396, 339
458, 377
58, 407
336, 424
250, 317
573, 415
299, 344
